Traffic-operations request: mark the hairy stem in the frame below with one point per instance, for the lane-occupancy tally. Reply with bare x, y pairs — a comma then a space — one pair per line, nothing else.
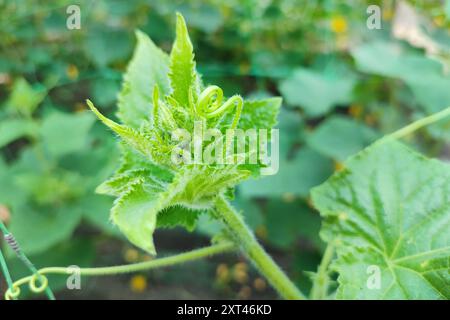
416, 125
244, 238
22, 257
321, 283
157, 263
5, 271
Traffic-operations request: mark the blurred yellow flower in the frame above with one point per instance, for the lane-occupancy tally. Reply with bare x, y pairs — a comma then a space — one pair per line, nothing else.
138, 283
338, 166
439, 21
72, 71
240, 274
355, 110
222, 272
131, 255
245, 293
338, 24
388, 13
259, 284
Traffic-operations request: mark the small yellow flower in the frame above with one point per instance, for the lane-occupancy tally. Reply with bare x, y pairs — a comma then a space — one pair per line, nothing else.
388, 13
240, 275
72, 71
138, 284
245, 292
338, 24
222, 272
131, 255
259, 284
355, 110
439, 21
338, 166
78, 107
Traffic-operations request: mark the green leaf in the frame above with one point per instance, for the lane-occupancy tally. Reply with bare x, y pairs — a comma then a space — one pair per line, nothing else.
258, 114
192, 190
63, 134
316, 92
178, 216
423, 75
132, 137
340, 137
388, 211
295, 176
182, 73
148, 67
104, 45
36, 231
135, 215
287, 222
12, 129
25, 98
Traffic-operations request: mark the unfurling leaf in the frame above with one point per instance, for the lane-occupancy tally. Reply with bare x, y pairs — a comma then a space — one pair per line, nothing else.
183, 75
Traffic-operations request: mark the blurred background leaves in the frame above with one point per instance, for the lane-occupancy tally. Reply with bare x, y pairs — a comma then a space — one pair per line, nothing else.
343, 86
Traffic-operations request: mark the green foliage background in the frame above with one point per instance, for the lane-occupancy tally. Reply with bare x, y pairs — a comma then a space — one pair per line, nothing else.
343, 86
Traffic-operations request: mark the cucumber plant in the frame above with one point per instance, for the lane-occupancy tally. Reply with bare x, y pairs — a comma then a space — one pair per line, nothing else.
386, 213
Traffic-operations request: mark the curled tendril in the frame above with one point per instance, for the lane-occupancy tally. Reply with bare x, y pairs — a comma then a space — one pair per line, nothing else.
12, 294
210, 105
37, 283
43, 283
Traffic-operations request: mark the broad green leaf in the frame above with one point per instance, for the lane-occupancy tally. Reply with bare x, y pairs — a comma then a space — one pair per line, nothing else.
340, 137
12, 129
25, 98
316, 92
36, 231
250, 211
388, 212
392, 59
105, 45
135, 215
182, 73
425, 76
148, 67
287, 222
63, 134
135, 211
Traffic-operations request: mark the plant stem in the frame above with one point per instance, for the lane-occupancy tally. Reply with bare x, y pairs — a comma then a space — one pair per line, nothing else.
161, 262
152, 264
5, 271
28, 264
321, 283
244, 238
416, 125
